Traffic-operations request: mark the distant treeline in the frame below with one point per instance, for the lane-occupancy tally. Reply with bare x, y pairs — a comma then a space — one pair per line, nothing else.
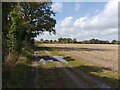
69, 40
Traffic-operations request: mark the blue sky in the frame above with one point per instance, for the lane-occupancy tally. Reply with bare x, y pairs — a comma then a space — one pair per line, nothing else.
84, 20
84, 9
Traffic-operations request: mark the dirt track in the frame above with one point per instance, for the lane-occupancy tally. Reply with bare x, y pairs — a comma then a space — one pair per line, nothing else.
78, 82
100, 55
33, 76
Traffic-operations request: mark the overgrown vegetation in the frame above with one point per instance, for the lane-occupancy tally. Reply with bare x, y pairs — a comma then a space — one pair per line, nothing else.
22, 22
15, 73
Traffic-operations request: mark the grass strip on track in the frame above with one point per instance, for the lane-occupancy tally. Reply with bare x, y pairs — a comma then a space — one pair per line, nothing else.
52, 77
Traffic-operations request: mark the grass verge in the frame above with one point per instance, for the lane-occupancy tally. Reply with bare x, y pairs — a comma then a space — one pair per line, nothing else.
15, 75
106, 76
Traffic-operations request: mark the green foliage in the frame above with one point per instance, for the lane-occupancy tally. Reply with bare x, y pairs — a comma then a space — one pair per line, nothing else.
65, 40
15, 73
17, 76
115, 42
39, 17
23, 21
95, 41
60, 40
6, 23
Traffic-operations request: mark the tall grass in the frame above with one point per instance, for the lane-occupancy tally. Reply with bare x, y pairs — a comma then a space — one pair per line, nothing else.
16, 69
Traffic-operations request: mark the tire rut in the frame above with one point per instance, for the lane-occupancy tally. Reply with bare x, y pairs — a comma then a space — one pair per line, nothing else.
33, 77
78, 82
99, 84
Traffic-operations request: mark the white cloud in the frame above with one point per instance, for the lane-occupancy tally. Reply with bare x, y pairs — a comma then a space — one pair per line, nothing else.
104, 24
104, 20
57, 7
77, 7
67, 22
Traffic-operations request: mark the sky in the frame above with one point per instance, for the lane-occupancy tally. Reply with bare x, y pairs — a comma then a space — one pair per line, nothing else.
85, 20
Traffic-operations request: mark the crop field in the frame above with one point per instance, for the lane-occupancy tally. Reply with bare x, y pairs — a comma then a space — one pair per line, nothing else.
105, 56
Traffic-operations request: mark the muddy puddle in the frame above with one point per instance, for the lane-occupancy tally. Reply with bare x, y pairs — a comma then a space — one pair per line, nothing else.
59, 58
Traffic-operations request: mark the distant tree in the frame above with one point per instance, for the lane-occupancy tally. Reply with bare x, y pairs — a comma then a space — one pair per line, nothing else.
118, 42
69, 40
51, 41
114, 42
60, 40
74, 41
55, 41
46, 41
41, 40
95, 41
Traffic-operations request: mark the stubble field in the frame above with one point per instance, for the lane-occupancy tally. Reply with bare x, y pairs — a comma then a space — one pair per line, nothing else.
101, 55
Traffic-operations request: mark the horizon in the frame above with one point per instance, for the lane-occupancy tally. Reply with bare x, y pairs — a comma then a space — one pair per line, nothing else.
78, 40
